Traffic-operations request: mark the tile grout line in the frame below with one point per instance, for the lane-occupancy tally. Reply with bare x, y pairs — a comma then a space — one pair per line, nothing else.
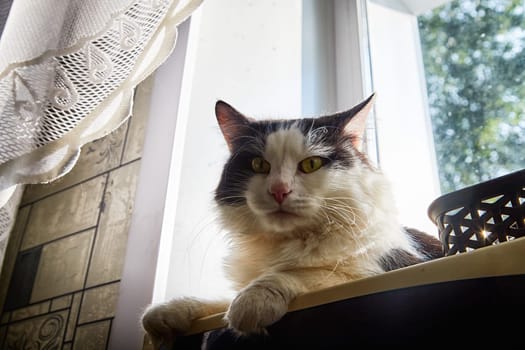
96, 321
105, 172
101, 285
81, 292
24, 230
41, 245
101, 208
125, 143
10, 321
70, 307
109, 332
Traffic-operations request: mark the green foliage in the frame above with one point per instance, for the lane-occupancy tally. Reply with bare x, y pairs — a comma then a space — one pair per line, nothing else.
474, 59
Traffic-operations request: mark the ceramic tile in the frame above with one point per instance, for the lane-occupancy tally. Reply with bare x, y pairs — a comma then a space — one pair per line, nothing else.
46, 332
30, 311
99, 303
24, 275
92, 336
5, 318
110, 245
15, 237
61, 303
66, 212
95, 158
75, 306
63, 266
140, 114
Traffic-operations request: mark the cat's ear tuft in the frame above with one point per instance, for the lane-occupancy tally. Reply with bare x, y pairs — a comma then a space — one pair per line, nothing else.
356, 120
231, 122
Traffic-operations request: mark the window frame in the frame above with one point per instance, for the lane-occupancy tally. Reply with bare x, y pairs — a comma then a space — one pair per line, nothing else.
151, 219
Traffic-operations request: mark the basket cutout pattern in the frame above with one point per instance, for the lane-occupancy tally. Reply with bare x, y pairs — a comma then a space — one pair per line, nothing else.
483, 222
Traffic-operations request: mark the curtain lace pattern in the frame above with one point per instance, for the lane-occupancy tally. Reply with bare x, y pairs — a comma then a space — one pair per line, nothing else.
68, 69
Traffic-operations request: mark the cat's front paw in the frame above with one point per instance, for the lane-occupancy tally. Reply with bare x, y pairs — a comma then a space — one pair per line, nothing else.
255, 308
163, 321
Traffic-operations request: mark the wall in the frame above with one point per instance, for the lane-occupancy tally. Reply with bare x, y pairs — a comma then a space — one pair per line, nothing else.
60, 280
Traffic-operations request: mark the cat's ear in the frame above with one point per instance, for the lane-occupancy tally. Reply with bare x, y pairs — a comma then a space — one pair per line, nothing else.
355, 121
231, 122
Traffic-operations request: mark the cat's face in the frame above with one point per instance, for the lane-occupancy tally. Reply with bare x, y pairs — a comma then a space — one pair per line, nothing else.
284, 175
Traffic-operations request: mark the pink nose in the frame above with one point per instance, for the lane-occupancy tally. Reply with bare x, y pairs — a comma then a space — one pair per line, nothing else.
279, 192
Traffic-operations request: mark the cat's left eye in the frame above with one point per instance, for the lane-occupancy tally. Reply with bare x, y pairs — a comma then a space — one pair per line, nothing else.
260, 165
311, 164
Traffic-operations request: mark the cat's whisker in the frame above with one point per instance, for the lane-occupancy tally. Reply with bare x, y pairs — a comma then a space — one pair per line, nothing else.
341, 203
202, 236
347, 219
225, 198
334, 218
327, 218
349, 212
201, 227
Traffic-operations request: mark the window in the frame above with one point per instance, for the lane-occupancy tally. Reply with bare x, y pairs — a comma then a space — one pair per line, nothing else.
449, 76
474, 58
317, 57
307, 57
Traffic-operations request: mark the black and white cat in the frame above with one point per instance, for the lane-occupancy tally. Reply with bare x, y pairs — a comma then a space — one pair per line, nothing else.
304, 210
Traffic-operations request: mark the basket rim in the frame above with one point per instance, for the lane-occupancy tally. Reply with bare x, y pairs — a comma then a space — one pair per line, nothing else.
485, 189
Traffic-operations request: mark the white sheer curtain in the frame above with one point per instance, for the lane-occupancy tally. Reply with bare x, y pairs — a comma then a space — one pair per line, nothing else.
68, 69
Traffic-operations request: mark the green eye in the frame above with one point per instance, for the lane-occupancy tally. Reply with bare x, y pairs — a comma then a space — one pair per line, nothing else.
311, 164
260, 165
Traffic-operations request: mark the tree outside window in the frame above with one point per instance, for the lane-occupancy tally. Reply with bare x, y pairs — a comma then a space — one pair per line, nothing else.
474, 61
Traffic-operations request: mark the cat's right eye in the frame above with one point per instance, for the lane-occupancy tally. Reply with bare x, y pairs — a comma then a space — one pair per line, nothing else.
311, 164
260, 165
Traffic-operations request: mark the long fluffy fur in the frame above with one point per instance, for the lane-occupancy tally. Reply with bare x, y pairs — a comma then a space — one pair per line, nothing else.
335, 225
345, 241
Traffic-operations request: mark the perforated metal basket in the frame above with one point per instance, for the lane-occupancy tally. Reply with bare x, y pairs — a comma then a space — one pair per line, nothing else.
487, 213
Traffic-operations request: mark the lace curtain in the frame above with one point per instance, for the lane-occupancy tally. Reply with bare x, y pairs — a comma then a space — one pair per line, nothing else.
68, 69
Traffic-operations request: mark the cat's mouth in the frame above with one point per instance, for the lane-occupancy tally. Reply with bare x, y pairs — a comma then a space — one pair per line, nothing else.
283, 214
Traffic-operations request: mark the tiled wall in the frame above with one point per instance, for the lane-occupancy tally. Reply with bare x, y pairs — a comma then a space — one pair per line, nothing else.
60, 280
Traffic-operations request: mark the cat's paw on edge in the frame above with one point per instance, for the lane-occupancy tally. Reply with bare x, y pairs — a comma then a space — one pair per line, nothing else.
255, 308
163, 321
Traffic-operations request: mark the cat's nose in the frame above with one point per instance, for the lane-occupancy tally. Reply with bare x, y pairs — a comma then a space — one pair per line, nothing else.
280, 192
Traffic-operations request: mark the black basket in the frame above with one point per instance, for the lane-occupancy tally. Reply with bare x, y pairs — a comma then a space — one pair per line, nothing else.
487, 213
